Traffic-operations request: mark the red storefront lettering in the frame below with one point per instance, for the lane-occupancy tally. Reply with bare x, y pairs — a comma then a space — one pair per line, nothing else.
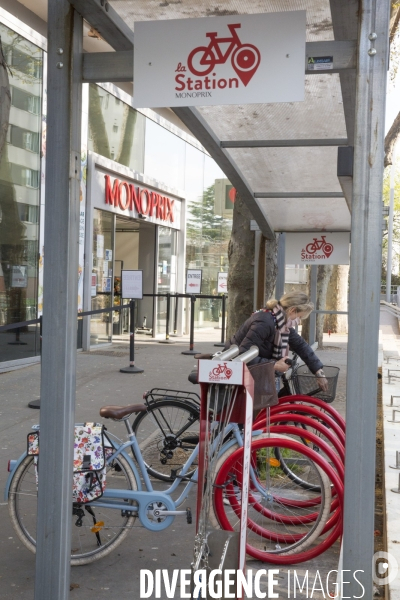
127, 196
112, 195
135, 198
148, 202
153, 202
170, 214
160, 208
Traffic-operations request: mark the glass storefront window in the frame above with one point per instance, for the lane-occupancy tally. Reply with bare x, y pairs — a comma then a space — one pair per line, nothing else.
166, 274
116, 130
209, 225
19, 197
102, 276
164, 156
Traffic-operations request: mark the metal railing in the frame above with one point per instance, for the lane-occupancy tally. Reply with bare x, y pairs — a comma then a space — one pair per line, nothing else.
193, 298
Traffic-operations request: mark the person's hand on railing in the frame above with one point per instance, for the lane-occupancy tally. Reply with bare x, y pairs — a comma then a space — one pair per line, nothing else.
322, 380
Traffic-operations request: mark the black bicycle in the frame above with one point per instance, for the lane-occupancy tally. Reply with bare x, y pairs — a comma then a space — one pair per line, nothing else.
169, 430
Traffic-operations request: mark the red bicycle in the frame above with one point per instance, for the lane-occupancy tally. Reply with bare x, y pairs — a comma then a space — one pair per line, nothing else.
203, 59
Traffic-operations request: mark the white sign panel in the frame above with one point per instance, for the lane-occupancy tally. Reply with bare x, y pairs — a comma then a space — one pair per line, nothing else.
132, 284
317, 248
193, 281
19, 276
222, 283
213, 371
239, 59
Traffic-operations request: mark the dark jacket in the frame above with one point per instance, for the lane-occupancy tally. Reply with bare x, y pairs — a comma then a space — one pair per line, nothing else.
259, 330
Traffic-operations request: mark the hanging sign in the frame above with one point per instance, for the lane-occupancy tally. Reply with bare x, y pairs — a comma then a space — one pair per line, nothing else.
317, 248
132, 284
222, 283
193, 281
239, 59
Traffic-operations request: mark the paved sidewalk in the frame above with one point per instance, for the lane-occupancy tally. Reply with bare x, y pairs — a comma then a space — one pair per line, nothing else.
390, 343
99, 382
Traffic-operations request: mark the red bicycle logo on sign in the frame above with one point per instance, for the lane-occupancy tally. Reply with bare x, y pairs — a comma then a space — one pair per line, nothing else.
321, 244
245, 57
222, 369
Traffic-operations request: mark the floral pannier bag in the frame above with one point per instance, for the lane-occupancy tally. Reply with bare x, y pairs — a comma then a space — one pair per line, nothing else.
90, 450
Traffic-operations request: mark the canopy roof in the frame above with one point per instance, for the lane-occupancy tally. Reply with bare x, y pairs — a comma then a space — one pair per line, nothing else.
284, 164
280, 170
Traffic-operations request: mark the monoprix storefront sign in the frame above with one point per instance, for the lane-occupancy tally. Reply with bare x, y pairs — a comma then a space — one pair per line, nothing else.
240, 59
318, 248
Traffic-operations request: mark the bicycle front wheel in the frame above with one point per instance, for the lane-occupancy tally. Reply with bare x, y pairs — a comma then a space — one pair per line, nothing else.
101, 530
275, 526
167, 435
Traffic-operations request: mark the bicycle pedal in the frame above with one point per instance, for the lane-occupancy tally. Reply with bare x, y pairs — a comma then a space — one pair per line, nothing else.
189, 516
127, 513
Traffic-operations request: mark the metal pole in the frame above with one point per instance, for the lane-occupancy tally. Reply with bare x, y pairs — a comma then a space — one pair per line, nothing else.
167, 338
365, 276
168, 314
60, 302
131, 368
313, 298
176, 315
257, 241
390, 228
280, 278
191, 351
223, 310
36, 403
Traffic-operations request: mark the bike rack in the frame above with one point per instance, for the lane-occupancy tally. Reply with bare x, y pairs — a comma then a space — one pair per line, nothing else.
219, 549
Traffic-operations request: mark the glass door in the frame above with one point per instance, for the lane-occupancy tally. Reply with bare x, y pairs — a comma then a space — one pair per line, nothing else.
102, 288
166, 274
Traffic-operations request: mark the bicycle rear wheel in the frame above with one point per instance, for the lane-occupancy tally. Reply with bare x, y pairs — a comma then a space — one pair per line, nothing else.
167, 435
102, 529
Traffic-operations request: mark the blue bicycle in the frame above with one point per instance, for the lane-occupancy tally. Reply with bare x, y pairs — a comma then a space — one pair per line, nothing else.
99, 526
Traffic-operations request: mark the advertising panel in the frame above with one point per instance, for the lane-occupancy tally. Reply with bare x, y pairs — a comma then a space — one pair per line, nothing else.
222, 283
239, 59
193, 281
132, 284
317, 248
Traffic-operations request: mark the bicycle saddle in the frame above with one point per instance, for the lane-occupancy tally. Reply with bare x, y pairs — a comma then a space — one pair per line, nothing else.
119, 412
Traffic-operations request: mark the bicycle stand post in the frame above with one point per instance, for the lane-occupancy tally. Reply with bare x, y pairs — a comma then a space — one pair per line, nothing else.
216, 549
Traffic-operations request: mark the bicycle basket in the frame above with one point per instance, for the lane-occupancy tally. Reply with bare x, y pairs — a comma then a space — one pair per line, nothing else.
306, 384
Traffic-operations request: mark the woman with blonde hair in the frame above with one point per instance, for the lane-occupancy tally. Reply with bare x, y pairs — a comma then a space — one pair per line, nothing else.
271, 329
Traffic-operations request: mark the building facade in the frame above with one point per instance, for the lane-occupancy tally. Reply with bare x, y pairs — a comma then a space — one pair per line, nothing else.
152, 199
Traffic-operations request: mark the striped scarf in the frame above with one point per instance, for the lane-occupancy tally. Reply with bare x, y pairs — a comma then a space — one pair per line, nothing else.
281, 340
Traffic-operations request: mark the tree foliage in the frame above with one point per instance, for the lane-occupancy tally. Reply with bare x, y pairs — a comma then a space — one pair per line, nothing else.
203, 222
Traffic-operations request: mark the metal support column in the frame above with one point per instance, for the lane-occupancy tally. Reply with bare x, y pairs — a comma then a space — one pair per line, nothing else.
390, 228
365, 276
313, 298
281, 263
58, 374
257, 240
